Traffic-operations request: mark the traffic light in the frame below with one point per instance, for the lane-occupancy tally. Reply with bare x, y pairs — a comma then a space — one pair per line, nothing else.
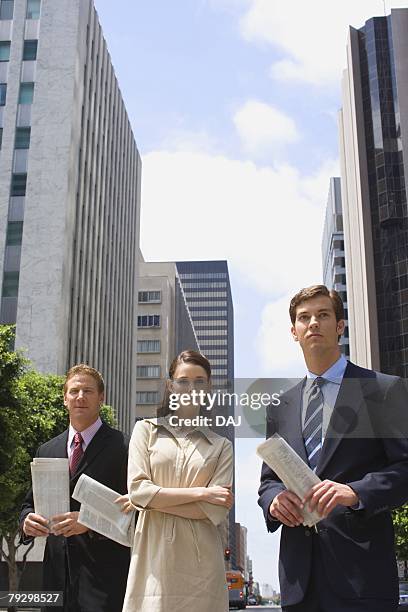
227, 554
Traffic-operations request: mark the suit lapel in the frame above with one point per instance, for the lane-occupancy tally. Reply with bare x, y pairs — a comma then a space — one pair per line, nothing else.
344, 419
290, 424
96, 446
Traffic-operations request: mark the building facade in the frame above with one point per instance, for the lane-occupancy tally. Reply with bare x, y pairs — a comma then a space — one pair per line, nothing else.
69, 196
165, 328
333, 256
374, 167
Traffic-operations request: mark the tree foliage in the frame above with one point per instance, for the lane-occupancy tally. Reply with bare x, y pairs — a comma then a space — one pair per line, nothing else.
32, 412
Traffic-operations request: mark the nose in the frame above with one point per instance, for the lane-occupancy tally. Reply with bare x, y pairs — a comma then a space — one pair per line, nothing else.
314, 322
80, 394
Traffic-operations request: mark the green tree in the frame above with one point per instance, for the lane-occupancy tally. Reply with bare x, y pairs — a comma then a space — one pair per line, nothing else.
32, 411
400, 520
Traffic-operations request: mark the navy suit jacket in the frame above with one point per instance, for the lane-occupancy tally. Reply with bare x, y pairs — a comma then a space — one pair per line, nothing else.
366, 447
90, 569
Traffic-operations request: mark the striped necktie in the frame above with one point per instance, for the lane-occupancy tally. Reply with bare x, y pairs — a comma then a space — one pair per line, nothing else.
76, 454
312, 428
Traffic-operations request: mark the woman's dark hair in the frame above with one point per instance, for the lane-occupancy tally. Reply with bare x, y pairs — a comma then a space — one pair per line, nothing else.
188, 356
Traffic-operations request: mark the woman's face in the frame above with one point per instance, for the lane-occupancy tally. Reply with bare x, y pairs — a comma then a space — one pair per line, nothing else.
189, 376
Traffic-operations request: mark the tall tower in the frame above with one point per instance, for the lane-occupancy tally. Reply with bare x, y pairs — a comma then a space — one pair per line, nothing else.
374, 167
333, 256
69, 195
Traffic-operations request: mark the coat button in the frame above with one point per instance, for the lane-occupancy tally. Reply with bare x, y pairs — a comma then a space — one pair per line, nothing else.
307, 532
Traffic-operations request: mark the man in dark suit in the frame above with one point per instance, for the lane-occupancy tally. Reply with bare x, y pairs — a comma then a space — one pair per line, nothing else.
349, 425
90, 569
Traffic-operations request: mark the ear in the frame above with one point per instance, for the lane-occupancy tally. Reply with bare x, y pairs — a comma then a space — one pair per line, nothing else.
294, 334
340, 327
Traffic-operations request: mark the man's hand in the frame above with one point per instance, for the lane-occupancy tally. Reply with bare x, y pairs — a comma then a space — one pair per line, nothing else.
67, 525
220, 496
326, 495
126, 504
287, 508
35, 525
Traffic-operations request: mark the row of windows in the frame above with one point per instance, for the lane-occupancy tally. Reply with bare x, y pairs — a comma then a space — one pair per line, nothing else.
26, 94
216, 352
211, 323
211, 332
7, 9
218, 362
29, 50
206, 304
204, 285
147, 397
14, 233
148, 346
148, 321
213, 343
197, 275
199, 313
148, 371
220, 372
205, 294
10, 284
149, 297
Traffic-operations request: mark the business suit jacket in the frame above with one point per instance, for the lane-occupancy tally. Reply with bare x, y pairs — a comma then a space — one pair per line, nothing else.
90, 569
365, 447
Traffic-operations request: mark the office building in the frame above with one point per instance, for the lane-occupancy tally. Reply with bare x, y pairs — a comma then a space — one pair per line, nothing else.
333, 258
165, 328
69, 196
374, 167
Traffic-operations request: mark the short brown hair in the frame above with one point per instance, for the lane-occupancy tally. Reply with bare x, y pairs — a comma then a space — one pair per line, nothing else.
83, 368
310, 292
188, 356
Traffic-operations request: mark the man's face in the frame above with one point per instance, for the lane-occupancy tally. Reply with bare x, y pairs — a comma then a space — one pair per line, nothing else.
316, 328
83, 400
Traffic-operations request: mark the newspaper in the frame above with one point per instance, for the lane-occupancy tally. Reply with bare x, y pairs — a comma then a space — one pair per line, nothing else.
50, 478
295, 474
99, 512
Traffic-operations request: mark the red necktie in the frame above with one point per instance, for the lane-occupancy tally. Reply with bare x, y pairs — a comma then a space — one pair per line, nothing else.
76, 454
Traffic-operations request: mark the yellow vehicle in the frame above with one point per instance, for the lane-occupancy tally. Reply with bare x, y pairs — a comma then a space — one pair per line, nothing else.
236, 590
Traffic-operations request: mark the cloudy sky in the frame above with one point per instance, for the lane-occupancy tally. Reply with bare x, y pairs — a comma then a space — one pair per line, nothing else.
234, 107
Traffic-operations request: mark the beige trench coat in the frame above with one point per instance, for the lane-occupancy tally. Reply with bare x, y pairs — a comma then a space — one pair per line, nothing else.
177, 564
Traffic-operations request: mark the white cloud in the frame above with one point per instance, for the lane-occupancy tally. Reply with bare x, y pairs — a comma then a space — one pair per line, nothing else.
263, 128
267, 221
310, 36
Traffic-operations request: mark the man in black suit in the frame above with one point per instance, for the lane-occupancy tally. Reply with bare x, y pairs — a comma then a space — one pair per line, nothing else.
349, 425
90, 569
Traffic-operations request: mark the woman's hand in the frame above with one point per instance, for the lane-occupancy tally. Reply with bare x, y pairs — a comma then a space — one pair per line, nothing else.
220, 496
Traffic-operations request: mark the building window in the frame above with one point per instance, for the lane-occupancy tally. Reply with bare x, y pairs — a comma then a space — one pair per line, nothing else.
26, 93
10, 284
147, 397
3, 94
23, 138
33, 9
148, 371
18, 184
30, 50
14, 233
148, 321
148, 346
4, 51
149, 297
6, 9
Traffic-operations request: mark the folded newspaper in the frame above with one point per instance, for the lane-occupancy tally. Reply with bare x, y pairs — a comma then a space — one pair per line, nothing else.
295, 474
99, 512
50, 478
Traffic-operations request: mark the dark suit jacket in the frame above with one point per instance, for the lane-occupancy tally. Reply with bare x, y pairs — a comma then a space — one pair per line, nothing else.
365, 447
91, 569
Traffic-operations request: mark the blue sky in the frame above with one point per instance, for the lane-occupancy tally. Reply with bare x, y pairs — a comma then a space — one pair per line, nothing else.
234, 105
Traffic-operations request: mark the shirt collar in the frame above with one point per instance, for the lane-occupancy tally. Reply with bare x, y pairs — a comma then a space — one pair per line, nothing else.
87, 434
334, 374
163, 422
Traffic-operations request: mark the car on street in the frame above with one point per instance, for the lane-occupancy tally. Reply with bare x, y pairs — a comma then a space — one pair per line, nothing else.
403, 597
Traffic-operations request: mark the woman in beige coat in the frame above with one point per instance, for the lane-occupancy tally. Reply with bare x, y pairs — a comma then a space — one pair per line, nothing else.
180, 478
